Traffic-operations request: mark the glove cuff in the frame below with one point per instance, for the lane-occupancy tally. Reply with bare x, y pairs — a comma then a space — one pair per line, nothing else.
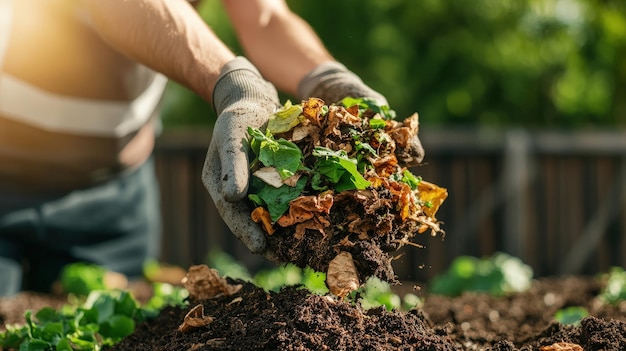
239, 80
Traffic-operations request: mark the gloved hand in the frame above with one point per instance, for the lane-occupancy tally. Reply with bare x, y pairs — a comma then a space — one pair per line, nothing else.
242, 99
332, 82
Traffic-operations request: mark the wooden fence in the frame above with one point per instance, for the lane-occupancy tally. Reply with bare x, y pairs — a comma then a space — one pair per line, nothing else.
555, 199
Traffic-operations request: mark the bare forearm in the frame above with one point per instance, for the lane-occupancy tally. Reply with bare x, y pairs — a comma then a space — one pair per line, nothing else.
282, 45
167, 36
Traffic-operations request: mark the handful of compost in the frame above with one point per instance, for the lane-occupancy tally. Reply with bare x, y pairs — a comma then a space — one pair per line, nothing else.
330, 184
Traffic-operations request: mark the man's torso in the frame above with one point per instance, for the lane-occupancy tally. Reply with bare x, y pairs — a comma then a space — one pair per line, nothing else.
53, 53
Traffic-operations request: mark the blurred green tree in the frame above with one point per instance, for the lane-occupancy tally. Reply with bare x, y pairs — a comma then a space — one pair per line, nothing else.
534, 63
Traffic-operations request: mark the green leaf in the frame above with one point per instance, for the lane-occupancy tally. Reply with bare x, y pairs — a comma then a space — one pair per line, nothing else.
51, 330
317, 182
102, 303
333, 165
81, 278
281, 154
47, 314
411, 301
410, 179
256, 199
330, 168
615, 289
285, 118
125, 304
377, 123
315, 281
277, 199
571, 315
64, 345
274, 279
497, 275
349, 182
84, 316
104, 318
227, 266
81, 344
35, 345
13, 337
117, 327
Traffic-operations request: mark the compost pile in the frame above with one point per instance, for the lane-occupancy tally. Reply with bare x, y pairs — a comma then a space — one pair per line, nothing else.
223, 314
332, 189
233, 315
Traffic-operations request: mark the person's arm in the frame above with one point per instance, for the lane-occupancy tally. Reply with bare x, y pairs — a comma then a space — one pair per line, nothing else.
290, 54
167, 36
170, 37
280, 43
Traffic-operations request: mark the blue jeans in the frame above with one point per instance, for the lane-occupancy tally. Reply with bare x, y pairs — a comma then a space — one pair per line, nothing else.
115, 224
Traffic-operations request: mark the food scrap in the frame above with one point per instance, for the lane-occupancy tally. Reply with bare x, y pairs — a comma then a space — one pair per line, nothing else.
336, 178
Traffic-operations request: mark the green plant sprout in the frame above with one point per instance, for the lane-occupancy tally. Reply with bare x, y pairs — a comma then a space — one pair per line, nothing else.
571, 315
82, 278
615, 289
95, 318
497, 275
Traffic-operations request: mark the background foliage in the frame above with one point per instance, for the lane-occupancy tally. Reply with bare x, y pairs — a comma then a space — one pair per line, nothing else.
533, 63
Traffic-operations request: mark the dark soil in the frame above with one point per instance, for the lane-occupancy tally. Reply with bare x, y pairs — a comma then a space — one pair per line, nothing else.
252, 319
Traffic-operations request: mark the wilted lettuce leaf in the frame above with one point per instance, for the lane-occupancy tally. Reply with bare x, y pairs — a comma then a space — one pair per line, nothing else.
285, 118
339, 169
281, 154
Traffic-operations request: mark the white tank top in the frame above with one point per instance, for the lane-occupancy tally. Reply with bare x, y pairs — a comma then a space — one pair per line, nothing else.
25, 103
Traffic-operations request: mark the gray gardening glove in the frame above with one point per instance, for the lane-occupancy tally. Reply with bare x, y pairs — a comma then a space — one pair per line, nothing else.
242, 99
332, 82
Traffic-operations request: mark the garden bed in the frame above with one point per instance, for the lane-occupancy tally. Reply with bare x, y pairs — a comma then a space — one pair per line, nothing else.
252, 319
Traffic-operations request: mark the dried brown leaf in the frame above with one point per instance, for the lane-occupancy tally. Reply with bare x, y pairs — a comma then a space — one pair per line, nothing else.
195, 318
205, 283
318, 223
311, 109
402, 134
262, 215
303, 208
339, 116
386, 165
342, 277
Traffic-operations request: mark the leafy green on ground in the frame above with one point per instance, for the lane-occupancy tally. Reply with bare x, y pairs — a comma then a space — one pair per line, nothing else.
82, 278
95, 317
498, 274
615, 289
571, 315
104, 319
